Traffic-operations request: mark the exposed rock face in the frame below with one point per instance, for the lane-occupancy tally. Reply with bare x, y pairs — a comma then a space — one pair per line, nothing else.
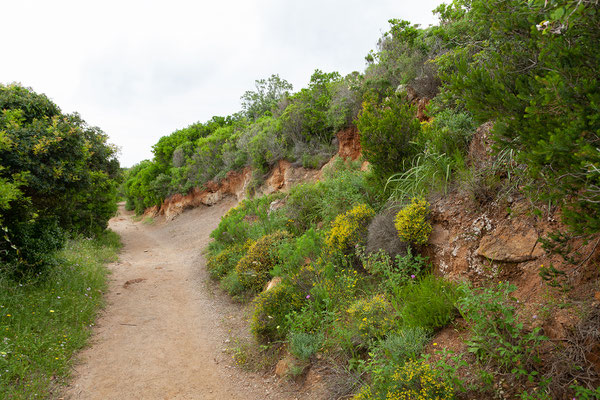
284, 366
349, 143
273, 283
422, 109
468, 242
151, 212
510, 242
234, 184
285, 175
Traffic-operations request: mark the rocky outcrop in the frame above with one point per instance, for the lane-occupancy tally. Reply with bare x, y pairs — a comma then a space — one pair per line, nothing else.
284, 175
234, 184
511, 241
469, 242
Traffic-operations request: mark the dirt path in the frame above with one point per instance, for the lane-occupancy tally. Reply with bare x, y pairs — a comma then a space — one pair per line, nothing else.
164, 331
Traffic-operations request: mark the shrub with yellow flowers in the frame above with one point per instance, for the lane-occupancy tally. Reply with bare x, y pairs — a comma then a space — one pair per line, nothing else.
372, 317
253, 269
349, 228
220, 264
415, 380
411, 222
269, 322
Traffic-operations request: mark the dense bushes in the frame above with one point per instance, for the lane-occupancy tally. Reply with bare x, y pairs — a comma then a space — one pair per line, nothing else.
331, 296
349, 229
57, 174
254, 267
269, 322
387, 133
535, 75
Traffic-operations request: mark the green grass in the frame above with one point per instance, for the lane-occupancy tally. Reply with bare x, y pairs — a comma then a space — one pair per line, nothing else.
44, 320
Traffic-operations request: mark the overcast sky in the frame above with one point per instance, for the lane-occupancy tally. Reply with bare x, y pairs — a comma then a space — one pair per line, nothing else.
141, 69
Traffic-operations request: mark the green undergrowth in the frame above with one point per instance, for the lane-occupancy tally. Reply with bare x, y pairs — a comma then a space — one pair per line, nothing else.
371, 314
45, 319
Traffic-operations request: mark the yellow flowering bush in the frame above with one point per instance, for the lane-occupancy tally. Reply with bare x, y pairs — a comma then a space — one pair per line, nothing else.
253, 269
411, 222
371, 316
415, 380
339, 287
269, 321
220, 264
348, 228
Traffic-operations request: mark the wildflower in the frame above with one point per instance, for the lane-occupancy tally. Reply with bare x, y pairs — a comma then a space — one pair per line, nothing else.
412, 277
435, 344
308, 296
51, 310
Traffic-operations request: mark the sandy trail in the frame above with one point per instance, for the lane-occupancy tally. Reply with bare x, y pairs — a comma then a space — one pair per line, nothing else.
163, 332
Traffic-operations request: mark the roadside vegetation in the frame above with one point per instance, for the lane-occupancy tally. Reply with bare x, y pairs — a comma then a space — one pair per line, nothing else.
46, 319
58, 185
354, 288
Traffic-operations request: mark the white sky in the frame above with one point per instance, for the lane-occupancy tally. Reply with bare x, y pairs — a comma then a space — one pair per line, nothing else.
141, 69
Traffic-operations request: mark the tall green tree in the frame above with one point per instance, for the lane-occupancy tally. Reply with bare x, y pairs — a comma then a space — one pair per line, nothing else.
269, 92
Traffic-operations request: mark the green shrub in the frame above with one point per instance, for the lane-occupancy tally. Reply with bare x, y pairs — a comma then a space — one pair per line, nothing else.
449, 132
253, 269
35, 244
387, 132
344, 187
428, 303
303, 345
250, 219
404, 344
303, 249
394, 274
302, 207
392, 352
427, 173
415, 380
411, 222
498, 334
56, 174
371, 317
269, 322
264, 142
232, 285
219, 265
349, 229
541, 109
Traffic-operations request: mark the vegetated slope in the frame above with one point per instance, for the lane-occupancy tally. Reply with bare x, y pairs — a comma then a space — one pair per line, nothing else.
515, 203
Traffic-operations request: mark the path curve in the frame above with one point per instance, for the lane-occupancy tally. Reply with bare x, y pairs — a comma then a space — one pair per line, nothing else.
164, 331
